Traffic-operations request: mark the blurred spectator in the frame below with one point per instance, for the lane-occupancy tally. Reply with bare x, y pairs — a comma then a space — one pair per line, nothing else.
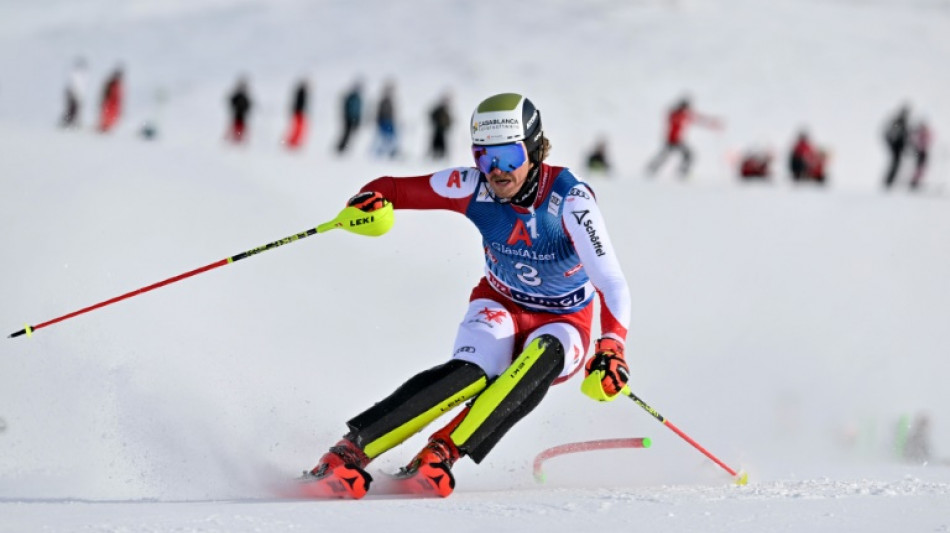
352, 114
386, 143
111, 107
917, 447
807, 162
298, 115
755, 164
677, 120
597, 159
896, 135
920, 140
150, 127
240, 104
441, 119
75, 89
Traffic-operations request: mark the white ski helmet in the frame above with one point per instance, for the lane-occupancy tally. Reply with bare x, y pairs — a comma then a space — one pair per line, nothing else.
505, 118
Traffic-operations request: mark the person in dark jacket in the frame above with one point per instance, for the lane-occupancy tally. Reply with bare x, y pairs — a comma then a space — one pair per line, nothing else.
298, 116
895, 136
386, 144
240, 104
352, 114
441, 119
597, 161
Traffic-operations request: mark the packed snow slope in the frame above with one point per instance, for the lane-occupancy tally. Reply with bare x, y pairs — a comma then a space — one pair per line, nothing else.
789, 330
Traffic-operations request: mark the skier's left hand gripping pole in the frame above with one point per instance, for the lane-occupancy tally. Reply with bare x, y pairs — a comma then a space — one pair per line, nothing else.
352, 219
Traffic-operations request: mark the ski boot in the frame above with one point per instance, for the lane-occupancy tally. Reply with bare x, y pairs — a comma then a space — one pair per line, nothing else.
340, 473
430, 471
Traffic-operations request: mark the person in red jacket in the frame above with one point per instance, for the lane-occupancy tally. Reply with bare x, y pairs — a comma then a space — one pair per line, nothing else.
111, 101
678, 119
920, 140
298, 116
807, 162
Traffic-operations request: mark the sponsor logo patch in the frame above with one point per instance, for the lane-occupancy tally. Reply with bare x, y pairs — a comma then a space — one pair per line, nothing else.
554, 204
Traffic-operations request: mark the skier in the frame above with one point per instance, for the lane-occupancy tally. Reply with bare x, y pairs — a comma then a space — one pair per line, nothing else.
298, 116
678, 119
240, 103
352, 114
529, 319
111, 106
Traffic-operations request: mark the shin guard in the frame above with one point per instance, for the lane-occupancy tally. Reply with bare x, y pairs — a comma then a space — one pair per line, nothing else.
510, 397
414, 405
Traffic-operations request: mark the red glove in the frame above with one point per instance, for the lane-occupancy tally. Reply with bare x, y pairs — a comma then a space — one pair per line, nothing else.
613, 370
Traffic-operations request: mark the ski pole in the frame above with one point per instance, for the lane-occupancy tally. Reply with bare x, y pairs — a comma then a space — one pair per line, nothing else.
741, 478
351, 219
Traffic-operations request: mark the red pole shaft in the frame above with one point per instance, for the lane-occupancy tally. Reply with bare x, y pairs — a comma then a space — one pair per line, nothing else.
696, 445
677, 430
270, 246
133, 293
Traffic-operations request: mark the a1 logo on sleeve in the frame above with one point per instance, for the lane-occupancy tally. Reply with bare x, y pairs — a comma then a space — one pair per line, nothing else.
454, 182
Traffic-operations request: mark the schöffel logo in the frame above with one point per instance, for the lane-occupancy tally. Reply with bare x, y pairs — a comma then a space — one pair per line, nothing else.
580, 216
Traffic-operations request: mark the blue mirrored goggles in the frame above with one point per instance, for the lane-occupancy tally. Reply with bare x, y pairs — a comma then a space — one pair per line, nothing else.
505, 157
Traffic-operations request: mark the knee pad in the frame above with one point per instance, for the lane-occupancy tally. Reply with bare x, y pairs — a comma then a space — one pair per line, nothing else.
415, 404
516, 392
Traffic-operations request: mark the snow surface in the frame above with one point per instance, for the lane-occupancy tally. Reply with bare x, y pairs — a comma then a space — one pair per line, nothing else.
787, 329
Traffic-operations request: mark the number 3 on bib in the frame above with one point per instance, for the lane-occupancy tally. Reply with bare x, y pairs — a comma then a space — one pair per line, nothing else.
528, 275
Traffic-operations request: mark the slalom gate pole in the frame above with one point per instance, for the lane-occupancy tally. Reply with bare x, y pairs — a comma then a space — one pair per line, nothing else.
584, 446
741, 478
350, 218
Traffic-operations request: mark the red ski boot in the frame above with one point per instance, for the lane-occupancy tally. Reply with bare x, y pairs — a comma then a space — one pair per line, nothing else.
339, 474
430, 471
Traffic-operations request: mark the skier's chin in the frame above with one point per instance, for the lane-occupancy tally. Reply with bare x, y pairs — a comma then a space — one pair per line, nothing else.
503, 187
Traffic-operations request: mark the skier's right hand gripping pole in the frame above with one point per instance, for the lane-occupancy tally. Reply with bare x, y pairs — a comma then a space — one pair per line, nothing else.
368, 213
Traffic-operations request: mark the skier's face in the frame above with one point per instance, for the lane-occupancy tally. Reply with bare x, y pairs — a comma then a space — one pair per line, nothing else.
506, 166
506, 184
